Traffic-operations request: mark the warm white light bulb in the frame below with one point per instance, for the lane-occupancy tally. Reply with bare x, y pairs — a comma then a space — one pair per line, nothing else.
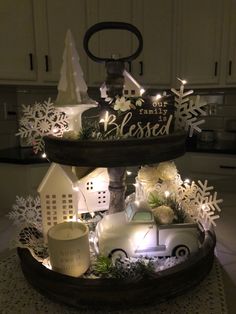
186, 180
158, 96
182, 81
167, 193
128, 172
44, 155
142, 91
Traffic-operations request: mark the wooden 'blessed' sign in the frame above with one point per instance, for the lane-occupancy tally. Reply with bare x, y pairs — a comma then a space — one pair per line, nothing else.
136, 117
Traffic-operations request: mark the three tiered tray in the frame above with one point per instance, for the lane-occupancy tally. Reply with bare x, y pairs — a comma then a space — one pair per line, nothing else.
115, 155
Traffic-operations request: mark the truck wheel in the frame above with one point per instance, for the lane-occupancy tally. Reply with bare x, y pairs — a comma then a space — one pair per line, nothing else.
181, 251
118, 254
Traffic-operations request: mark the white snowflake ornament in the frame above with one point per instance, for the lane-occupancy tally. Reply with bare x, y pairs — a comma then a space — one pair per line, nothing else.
198, 201
188, 111
41, 120
26, 211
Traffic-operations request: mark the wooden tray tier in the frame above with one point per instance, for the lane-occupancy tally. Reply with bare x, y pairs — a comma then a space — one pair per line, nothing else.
116, 293
128, 152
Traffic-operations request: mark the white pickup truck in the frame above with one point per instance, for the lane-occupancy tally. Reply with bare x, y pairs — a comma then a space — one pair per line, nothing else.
134, 232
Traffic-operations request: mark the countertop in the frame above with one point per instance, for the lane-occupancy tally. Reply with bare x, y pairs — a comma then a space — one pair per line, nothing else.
214, 147
25, 155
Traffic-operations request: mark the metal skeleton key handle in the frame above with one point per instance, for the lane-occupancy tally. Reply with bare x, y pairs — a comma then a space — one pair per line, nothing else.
115, 67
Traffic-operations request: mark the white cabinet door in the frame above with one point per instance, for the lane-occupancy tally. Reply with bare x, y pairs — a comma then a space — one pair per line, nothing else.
156, 23
17, 53
109, 42
57, 18
230, 63
199, 30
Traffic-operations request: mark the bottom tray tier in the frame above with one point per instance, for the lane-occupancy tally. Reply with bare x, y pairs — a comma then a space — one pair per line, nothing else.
117, 294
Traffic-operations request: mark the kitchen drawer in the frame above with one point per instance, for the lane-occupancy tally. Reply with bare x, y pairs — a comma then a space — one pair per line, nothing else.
213, 164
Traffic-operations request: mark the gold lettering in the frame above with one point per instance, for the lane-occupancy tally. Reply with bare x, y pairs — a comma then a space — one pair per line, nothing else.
136, 130
126, 119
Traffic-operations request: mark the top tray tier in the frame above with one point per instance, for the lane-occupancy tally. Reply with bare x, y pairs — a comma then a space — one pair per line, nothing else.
127, 152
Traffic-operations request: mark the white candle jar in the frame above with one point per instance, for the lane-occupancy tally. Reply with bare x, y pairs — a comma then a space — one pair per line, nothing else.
68, 246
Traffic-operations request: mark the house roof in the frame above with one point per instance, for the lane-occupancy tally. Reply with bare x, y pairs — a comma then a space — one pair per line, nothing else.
65, 170
94, 174
129, 77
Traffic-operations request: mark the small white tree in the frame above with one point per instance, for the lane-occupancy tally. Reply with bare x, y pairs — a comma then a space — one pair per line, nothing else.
72, 89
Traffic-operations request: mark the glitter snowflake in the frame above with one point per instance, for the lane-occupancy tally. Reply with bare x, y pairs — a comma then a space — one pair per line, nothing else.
188, 111
200, 203
40, 120
26, 211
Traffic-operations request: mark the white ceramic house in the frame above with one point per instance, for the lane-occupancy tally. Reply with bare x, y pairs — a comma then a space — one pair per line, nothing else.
59, 201
93, 191
63, 196
131, 87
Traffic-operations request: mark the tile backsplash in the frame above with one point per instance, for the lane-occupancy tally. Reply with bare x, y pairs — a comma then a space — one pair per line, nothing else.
8, 118
221, 113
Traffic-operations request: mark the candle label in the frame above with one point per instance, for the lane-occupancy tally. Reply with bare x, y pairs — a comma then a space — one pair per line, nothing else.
67, 258
136, 117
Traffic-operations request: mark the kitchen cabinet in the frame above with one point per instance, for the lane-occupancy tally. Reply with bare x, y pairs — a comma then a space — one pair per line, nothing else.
109, 42
199, 41
154, 67
18, 59
203, 166
194, 40
230, 60
53, 19
33, 35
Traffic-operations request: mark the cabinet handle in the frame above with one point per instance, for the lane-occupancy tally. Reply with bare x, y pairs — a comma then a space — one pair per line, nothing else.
216, 68
141, 68
46, 63
230, 68
130, 66
227, 167
31, 61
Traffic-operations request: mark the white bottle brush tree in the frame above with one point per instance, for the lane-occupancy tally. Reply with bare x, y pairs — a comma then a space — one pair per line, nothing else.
72, 95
